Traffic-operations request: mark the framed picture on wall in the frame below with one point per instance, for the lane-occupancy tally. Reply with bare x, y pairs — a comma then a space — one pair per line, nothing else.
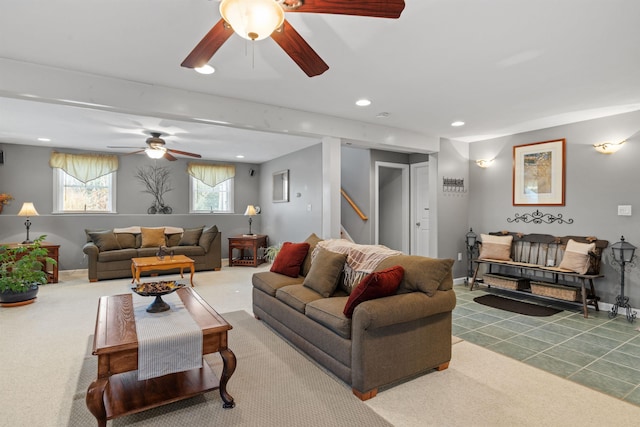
539, 174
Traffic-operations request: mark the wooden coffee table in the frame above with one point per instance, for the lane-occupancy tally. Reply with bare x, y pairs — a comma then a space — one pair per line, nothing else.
138, 265
117, 391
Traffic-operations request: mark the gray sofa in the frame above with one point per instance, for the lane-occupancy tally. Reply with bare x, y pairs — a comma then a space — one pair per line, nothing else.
387, 339
109, 252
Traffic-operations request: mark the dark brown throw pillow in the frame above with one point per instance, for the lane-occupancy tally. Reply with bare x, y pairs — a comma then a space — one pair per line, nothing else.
290, 258
105, 240
375, 285
324, 275
190, 236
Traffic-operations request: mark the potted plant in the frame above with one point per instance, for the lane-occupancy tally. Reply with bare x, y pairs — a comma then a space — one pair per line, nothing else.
21, 272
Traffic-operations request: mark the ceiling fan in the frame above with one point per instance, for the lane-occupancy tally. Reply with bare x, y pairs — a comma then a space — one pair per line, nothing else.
156, 148
259, 19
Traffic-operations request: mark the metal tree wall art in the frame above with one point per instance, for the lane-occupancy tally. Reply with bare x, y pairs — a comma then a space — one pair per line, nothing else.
156, 182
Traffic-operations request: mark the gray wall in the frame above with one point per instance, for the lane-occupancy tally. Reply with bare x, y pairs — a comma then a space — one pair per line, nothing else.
292, 221
452, 207
357, 181
27, 176
595, 185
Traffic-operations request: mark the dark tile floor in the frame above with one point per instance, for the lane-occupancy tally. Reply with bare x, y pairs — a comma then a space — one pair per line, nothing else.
598, 352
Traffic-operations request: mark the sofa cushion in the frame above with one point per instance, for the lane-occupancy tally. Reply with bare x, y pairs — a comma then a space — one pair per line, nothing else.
269, 282
186, 250
290, 258
312, 240
375, 285
207, 236
496, 247
297, 296
126, 240
329, 313
421, 273
190, 236
174, 239
325, 272
152, 237
117, 255
105, 240
576, 256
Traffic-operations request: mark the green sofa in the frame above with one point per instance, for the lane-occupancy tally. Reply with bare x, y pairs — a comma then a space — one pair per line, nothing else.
109, 252
387, 340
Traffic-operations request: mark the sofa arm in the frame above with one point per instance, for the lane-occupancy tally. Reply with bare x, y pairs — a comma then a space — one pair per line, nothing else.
401, 308
91, 250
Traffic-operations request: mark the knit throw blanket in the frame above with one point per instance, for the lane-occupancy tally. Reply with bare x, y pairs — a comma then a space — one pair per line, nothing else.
361, 259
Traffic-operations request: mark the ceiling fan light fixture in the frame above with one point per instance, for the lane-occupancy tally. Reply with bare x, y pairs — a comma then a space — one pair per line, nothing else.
155, 153
205, 69
252, 19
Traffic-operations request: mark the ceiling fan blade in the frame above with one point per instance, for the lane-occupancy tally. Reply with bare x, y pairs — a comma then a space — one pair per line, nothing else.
169, 156
209, 45
299, 50
184, 153
375, 8
134, 152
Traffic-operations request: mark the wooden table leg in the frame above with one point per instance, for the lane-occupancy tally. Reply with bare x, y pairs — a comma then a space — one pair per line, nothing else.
475, 274
585, 309
229, 367
192, 266
95, 400
133, 273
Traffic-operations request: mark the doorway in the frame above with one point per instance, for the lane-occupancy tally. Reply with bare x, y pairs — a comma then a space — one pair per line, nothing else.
420, 209
392, 205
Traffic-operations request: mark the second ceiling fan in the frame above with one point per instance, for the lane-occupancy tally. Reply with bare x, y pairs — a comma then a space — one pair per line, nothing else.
259, 19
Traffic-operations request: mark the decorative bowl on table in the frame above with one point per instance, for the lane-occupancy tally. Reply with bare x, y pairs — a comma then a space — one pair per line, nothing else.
157, 289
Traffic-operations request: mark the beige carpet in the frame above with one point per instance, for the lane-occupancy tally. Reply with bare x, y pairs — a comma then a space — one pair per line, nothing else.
42, 347
273, 385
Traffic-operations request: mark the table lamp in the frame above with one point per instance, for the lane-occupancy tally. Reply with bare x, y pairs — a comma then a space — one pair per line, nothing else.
251, 210
28, 210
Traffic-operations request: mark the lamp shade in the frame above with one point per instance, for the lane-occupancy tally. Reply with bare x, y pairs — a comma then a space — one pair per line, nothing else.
28, 210
608, 147
251, 210
623, 251
252, 19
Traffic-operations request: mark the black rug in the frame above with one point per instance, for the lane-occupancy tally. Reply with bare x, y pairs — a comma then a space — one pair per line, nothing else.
516, 306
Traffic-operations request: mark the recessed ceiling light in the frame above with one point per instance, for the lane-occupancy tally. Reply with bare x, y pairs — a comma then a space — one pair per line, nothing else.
457, 123
44, 139
205, 69
239, 156
363, 102
383, 115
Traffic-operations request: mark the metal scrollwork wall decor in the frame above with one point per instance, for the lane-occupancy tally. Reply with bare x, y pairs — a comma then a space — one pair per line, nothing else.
538, 217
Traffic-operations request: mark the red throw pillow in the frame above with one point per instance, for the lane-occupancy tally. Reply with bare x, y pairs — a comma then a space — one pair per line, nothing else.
290, 259
375, 285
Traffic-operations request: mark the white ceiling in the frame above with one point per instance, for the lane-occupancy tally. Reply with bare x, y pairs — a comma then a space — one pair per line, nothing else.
502, 66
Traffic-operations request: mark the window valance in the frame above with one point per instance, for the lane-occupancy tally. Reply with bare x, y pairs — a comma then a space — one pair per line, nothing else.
84, 167
211, 175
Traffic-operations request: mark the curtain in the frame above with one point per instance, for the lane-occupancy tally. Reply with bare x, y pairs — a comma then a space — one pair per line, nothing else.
84, 167
211, 175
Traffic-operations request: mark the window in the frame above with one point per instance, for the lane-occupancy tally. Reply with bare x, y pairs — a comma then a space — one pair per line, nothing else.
71, 195
205, 198
210, 187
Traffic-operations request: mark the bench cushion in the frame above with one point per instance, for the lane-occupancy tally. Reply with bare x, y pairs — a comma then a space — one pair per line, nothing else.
496, 247
576, 256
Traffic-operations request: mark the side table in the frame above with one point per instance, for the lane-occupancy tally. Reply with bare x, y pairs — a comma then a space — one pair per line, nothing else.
247, 246
52, 252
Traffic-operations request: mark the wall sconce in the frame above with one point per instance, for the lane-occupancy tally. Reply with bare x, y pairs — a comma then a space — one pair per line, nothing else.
623, 253
608, 147
484, 163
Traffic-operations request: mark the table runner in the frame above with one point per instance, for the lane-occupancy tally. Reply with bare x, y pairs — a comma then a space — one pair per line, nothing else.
168, 342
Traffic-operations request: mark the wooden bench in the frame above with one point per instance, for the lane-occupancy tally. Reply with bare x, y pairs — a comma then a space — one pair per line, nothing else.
534, 268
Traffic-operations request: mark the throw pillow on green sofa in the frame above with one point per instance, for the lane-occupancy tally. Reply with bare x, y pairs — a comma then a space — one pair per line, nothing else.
105, 240
190, 236
324, 274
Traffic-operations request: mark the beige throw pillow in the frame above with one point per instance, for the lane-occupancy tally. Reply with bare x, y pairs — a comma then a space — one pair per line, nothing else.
496, 247
576, 256
152, 237
324, 274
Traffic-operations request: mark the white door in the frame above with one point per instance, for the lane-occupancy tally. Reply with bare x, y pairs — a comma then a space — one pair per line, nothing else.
420, 209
